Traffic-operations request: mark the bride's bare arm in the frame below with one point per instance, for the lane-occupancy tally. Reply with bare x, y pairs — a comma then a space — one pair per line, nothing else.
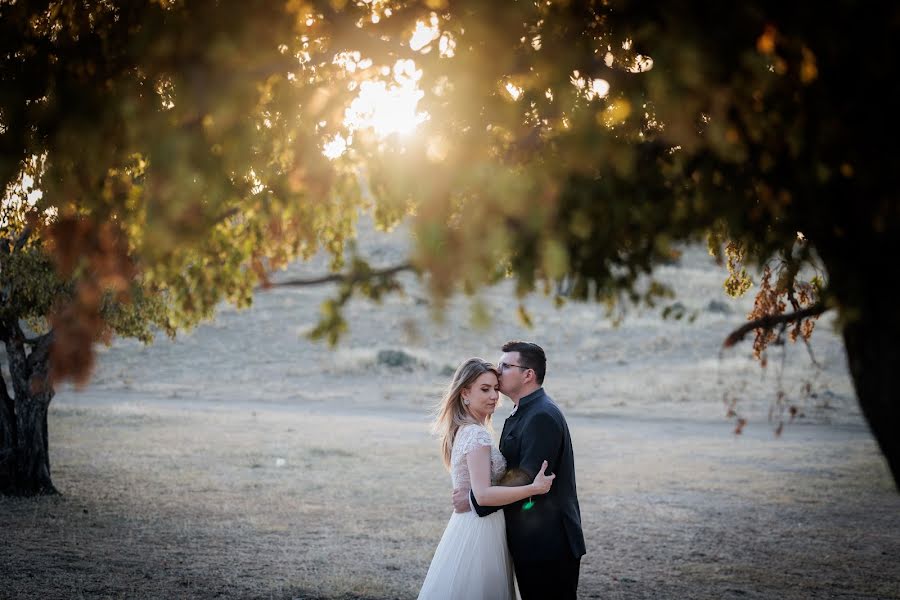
479, 462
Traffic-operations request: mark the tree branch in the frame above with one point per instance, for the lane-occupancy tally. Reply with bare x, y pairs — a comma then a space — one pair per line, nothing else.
26, 233
40, 354
226, 215
39, 339
771, 321
13, 338
351, 277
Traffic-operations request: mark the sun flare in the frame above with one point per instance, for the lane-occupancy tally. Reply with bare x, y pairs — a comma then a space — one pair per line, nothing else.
386, 107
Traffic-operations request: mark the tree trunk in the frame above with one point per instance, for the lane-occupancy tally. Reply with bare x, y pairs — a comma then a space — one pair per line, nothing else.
860, 268
24, 444
873, 356
8, 438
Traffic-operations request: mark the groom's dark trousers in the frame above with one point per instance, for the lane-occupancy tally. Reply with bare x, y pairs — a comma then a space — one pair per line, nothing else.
545, 579
544, 535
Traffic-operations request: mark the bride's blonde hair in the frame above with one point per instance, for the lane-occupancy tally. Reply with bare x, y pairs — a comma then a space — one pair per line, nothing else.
451, 413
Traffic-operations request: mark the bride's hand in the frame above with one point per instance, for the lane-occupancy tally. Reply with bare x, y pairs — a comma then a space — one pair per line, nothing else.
542, 482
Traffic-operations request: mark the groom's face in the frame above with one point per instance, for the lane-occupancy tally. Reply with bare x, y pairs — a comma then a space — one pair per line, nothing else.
510, 376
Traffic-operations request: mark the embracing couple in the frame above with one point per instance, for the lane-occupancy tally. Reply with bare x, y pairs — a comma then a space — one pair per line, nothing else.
531, 477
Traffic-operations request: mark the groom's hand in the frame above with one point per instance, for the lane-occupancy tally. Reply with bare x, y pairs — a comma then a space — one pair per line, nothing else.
461, 501
515, 478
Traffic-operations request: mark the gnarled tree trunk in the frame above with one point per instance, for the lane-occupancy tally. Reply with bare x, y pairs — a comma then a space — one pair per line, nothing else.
24, 448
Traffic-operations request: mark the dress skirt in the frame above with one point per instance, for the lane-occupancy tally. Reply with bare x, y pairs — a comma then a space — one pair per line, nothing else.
472, 561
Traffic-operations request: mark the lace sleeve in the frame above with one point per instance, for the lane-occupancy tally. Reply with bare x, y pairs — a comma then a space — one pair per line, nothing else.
469, 438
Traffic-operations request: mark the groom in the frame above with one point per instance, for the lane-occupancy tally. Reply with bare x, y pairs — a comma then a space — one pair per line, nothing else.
543, 533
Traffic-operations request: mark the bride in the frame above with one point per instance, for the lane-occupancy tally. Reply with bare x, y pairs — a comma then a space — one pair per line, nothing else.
472, 560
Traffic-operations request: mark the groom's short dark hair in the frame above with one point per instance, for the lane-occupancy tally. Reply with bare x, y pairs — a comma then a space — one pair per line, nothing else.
531, 356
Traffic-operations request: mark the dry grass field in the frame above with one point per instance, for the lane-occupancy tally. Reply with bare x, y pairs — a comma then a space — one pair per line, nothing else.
243, 461
168, 499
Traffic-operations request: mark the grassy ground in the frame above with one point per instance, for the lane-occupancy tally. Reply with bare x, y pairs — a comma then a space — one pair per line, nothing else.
168, 500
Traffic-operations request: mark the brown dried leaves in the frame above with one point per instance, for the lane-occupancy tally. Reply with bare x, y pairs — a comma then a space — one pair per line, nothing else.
95, 257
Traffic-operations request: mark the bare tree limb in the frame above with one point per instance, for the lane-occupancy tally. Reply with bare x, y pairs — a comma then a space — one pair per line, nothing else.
772, 321
351, 277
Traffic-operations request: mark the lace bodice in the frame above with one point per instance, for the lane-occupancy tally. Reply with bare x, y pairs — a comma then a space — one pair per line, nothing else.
467, 439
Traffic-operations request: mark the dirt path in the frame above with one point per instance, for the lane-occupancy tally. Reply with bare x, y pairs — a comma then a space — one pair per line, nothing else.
164, 499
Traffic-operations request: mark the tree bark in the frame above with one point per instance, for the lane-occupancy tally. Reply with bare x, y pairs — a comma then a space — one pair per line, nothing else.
860, 268
873, 356
25, 455
8, 437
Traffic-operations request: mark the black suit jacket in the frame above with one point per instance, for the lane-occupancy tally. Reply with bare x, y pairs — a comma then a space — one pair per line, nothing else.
551, 528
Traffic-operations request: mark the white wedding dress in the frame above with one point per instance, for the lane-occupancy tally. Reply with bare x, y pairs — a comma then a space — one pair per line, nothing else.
472, 561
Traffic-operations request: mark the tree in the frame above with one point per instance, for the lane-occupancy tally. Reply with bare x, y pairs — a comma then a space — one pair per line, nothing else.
155, 159
574, 141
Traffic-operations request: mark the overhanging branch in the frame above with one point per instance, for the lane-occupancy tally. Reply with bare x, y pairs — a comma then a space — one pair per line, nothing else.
351, 277
772, 321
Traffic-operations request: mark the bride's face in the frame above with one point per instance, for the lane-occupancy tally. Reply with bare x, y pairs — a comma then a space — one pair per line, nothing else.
482, 396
